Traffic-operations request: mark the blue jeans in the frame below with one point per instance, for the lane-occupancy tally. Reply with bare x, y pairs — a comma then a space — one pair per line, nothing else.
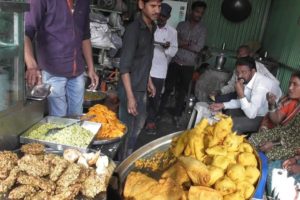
134, 123
66, 97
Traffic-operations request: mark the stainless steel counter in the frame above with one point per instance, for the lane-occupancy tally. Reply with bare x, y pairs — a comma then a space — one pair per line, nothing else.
19, 119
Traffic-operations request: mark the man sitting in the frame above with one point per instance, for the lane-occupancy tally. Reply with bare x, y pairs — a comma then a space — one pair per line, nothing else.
251, 105
227, 92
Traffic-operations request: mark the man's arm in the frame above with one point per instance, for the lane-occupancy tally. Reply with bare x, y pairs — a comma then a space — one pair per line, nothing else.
196, 47
172, 50
33, 73
87, 53
258, 96
131, 102
33, 19
126, 62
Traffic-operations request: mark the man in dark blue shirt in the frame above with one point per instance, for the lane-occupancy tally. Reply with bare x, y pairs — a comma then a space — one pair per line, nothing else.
61, 32
135, 64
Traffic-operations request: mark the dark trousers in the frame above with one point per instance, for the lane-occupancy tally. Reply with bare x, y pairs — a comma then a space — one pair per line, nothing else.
178, 76
153, 103
226, 97
241, 123
134, 123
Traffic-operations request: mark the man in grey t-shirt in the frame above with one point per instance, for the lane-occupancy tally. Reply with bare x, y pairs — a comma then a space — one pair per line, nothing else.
191, 39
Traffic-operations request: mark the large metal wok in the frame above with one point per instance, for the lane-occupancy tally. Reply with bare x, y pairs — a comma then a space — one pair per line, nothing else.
117, 182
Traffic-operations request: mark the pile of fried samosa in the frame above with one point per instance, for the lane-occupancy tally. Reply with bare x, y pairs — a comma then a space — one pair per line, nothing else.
213, 163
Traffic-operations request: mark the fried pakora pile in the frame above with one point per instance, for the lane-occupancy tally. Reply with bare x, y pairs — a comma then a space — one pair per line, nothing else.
46, 176
212, 163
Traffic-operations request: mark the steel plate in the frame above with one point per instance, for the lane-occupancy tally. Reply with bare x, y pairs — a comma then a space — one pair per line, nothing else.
118, 179
91, 126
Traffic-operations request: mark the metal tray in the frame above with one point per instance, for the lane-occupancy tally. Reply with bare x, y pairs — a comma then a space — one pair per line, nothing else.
117, 182
91, 126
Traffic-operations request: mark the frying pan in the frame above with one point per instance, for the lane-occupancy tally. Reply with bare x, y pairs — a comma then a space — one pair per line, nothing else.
236, 10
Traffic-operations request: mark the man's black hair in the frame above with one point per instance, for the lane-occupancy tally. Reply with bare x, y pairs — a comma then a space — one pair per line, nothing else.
146, 1
248, 61
200, 4
296, 74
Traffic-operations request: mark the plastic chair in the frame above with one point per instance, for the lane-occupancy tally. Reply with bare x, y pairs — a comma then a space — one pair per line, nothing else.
200, 110
260, 189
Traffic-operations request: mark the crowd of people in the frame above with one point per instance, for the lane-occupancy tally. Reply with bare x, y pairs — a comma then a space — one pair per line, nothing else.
157, 56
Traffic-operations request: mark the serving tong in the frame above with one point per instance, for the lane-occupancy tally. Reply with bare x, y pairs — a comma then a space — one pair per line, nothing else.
53, 131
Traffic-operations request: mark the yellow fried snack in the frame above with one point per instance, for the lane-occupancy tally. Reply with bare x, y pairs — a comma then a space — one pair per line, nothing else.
197, 171
215, 174
252, 174
245, 188
236, 172
223, 127
234, 196
225, 186
201, 126
247, 159
137, 183
220, 161
177, 173
181, 144
200, 192
232, 141
216, 151
232, 156
245, 147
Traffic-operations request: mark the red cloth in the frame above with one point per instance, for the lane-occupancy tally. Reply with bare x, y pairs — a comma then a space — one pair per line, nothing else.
288, 107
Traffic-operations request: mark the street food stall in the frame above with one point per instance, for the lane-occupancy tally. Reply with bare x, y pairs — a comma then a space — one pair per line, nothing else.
43, 156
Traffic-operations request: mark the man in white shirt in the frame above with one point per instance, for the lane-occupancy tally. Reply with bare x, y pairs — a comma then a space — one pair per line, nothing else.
251, 105
165, 38
227, 92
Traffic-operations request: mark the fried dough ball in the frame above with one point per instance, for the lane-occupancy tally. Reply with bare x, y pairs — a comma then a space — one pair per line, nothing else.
236, 172
245, 188
252, 174
215, 174
233, 196
220, 161
225, 186
247, 159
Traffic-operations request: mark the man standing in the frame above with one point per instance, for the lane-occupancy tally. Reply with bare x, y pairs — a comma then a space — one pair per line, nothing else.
191, 39
135, 64
165, 38
251, 105
61, 32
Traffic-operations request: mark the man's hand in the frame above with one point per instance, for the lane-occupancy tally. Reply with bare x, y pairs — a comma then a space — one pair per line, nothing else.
151, 88
216, 107
132, 106
94, 79
239, 88
166, 45
294, 169
289, 162
33, 77
266, 146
